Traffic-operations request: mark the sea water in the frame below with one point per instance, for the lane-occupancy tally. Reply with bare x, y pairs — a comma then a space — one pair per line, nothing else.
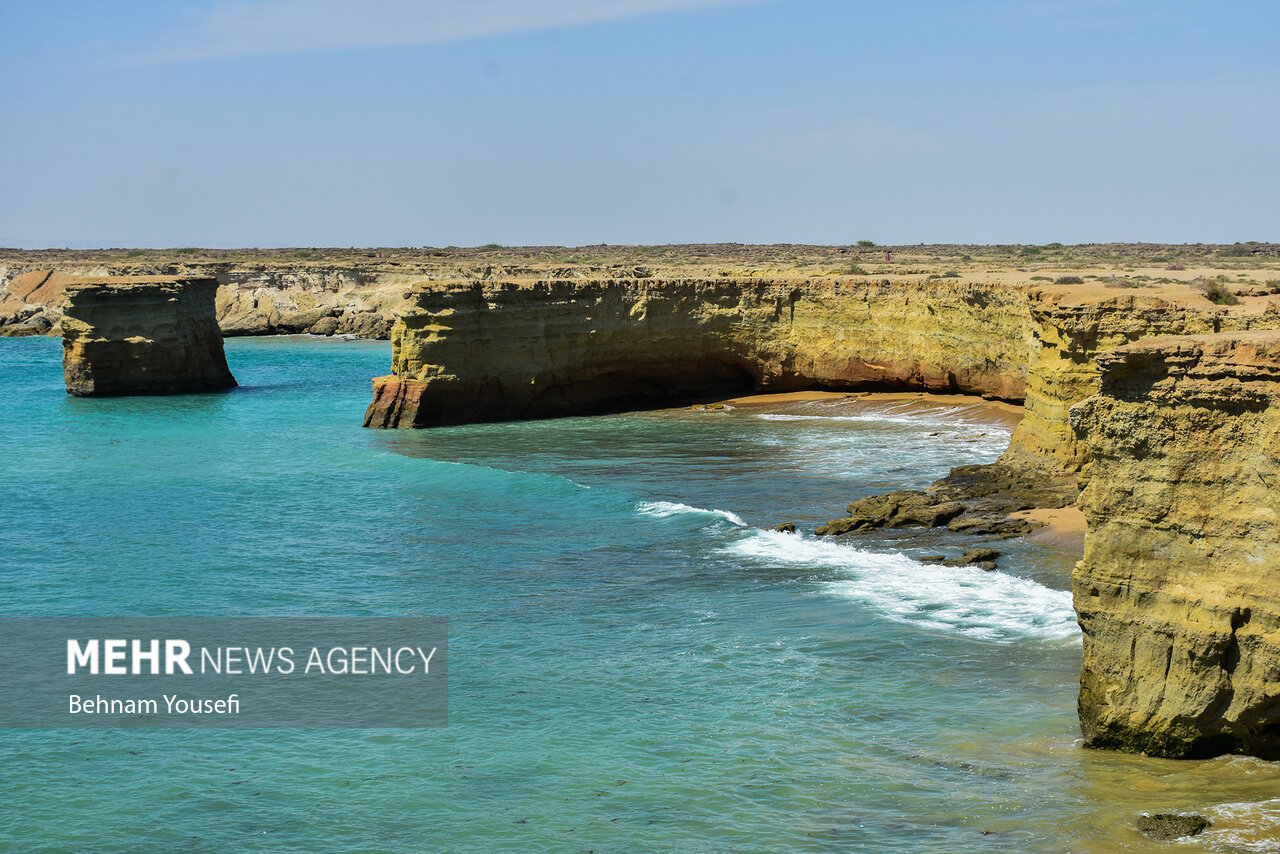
635, 663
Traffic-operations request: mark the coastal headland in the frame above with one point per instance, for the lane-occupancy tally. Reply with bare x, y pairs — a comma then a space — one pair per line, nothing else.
1147, 374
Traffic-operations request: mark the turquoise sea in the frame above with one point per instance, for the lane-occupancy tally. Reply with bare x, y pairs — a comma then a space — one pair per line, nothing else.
634, 664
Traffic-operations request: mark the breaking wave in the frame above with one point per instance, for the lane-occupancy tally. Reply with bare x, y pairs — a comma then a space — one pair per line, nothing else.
993, 606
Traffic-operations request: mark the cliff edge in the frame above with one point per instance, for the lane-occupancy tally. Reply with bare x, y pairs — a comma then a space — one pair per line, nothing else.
142, 335
1178, 593
487, 351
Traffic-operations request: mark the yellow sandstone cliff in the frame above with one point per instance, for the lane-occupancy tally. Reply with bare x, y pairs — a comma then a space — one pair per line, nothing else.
1069, 328
148, 335
505, 350
1179, 590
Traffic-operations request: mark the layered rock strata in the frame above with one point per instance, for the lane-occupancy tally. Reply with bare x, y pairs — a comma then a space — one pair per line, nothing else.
500, 351
252, 299
147, 335
1067, 331
1179, 590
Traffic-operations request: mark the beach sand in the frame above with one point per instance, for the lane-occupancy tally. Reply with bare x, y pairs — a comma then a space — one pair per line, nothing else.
1063, 527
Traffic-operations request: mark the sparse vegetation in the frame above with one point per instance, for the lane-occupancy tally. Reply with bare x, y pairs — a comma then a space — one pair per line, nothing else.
1042, 278
855, 270
1216, 292
1069, 280
1240, 250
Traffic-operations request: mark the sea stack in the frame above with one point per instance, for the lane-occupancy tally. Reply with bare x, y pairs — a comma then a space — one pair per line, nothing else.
1179, 590
142, 335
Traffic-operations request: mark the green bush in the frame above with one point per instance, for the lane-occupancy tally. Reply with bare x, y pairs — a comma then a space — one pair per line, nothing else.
1069, 280
1217, 293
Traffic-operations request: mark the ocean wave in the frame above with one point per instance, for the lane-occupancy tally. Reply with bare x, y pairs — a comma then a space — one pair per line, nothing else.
671, 509
1242, 826
993, 606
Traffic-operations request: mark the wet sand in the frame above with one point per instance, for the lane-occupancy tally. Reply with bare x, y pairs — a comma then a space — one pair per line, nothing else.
1063, 527
996, 412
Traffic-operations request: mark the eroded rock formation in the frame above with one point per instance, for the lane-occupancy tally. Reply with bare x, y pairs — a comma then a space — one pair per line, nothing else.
148, 335
1179, 590
252, 298
1068, 329
499, 351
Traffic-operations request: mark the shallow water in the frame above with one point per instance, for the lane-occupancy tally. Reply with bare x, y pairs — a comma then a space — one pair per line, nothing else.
633, 664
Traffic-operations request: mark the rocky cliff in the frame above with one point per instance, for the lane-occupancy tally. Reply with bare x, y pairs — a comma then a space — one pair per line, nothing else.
1179, 590
1069, 328
506, 350
489, 350
148, 335
252, 298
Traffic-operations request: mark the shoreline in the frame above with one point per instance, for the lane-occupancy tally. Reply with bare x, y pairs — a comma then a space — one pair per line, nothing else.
1063, 527
997, 413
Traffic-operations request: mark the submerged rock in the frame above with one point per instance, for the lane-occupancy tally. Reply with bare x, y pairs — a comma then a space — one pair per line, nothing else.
1164, 827
142, 335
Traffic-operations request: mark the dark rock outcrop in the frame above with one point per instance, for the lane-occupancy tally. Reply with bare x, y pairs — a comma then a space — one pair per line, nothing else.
1165, 827
971, 499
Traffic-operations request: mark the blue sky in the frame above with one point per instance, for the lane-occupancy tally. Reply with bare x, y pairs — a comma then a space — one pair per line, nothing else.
463, 122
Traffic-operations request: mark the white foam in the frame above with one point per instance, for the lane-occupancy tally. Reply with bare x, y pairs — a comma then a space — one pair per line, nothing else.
956, 432
937, 416
669, 509
1242, 827
966, 600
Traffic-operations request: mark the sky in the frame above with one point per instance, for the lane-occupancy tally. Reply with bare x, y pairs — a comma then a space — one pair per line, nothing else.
526, 122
